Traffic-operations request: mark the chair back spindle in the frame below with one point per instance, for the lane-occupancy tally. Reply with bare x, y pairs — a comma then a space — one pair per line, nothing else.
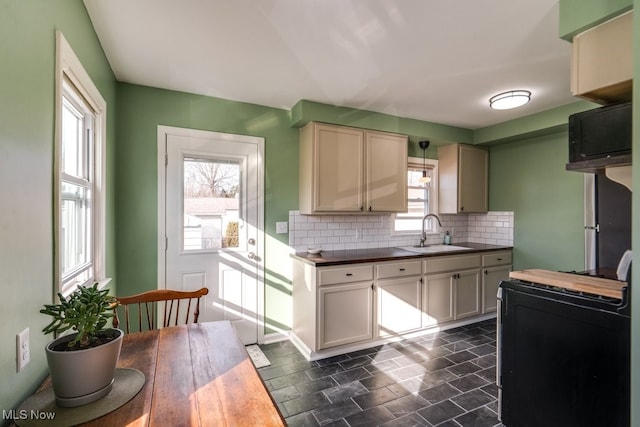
159, 301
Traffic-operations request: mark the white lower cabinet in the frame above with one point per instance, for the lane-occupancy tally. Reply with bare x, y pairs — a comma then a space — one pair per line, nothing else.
467, 294
453, 288
490, 280
451, 296
438, 298
345, 314
496, 267
398, 296
399, 305
350, 305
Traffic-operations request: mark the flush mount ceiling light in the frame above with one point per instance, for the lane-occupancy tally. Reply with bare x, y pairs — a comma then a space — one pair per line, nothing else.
424, 145
511, 99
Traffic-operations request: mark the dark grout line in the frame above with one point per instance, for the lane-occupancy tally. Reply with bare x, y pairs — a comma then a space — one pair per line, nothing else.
380, 376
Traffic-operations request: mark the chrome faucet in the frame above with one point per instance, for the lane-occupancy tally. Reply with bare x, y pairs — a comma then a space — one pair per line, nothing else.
424, 233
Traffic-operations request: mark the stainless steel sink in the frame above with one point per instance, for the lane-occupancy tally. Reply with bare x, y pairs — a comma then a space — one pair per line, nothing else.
432, 249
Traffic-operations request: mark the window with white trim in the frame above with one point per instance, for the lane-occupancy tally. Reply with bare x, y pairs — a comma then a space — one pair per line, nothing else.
422, 197
79, 175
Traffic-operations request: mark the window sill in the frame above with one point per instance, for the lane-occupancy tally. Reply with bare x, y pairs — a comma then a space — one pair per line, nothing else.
102, 284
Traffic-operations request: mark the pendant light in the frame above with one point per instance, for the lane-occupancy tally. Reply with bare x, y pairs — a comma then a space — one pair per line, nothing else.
424, 145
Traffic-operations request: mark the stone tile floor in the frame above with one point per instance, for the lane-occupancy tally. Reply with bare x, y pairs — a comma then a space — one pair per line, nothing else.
443, 379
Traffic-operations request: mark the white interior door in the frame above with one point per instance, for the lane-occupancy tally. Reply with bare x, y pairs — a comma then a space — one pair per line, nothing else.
212, 223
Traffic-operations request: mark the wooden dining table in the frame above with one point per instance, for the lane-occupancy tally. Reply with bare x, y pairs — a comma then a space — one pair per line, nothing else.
195, 375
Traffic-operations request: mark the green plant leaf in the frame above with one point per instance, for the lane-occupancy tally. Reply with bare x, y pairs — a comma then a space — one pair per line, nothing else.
85, 311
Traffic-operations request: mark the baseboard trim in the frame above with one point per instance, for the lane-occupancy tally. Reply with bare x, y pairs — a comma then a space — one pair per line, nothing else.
348, 348
276, 337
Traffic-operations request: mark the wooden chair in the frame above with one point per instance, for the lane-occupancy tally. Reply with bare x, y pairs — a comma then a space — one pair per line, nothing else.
151, 302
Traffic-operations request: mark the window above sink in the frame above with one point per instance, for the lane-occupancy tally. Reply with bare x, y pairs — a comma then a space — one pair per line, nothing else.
422, 198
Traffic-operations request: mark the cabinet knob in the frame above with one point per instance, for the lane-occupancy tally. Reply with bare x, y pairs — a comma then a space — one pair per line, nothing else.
361, 208
370, 209
499, 259
402, 269
349, 274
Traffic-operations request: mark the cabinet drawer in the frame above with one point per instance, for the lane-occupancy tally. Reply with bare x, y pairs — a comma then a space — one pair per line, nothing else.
399, 269
461, 262
345, 274
497, 258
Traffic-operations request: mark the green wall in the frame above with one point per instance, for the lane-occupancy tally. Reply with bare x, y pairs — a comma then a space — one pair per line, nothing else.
635, 226
140, 110
529, 178
526, 175
27, 67
305, 111
579, 15
539, 124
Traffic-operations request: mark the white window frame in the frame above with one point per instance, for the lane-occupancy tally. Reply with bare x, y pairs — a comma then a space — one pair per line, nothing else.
431, 164
69, 71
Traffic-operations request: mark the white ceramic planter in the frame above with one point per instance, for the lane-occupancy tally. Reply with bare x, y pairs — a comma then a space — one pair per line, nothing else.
82, 376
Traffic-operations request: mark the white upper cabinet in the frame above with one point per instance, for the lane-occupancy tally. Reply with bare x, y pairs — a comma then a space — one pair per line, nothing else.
331, 169
602, 61
463, 172
351, 170
385, 172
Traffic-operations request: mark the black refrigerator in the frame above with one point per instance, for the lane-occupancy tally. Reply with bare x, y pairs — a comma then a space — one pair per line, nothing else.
612, 202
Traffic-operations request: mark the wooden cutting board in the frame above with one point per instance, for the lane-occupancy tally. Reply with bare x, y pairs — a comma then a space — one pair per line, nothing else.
576, 282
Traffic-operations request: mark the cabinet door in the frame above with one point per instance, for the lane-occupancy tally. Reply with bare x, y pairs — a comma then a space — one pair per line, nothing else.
490, 281
386, 172
438, 299
399, 305
345, 314
473, 188
338, 169
467, 291
602, 61
463, 172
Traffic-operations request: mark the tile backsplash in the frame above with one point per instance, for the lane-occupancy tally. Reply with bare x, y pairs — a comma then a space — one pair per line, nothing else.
336, 232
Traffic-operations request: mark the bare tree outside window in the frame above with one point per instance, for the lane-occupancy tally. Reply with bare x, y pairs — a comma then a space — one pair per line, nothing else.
206, 178
211, 203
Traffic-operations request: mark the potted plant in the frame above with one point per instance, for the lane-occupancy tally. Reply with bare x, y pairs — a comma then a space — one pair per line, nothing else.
82, 364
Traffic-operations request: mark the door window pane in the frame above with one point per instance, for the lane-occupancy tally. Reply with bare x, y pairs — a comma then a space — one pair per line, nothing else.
211, 204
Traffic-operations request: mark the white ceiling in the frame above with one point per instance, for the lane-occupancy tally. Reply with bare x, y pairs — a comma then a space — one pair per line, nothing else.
438, 61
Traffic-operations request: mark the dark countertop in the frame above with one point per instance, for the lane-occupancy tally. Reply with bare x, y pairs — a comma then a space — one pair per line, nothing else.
354, 256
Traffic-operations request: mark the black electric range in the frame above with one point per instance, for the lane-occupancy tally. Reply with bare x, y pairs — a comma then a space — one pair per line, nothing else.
563, 356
